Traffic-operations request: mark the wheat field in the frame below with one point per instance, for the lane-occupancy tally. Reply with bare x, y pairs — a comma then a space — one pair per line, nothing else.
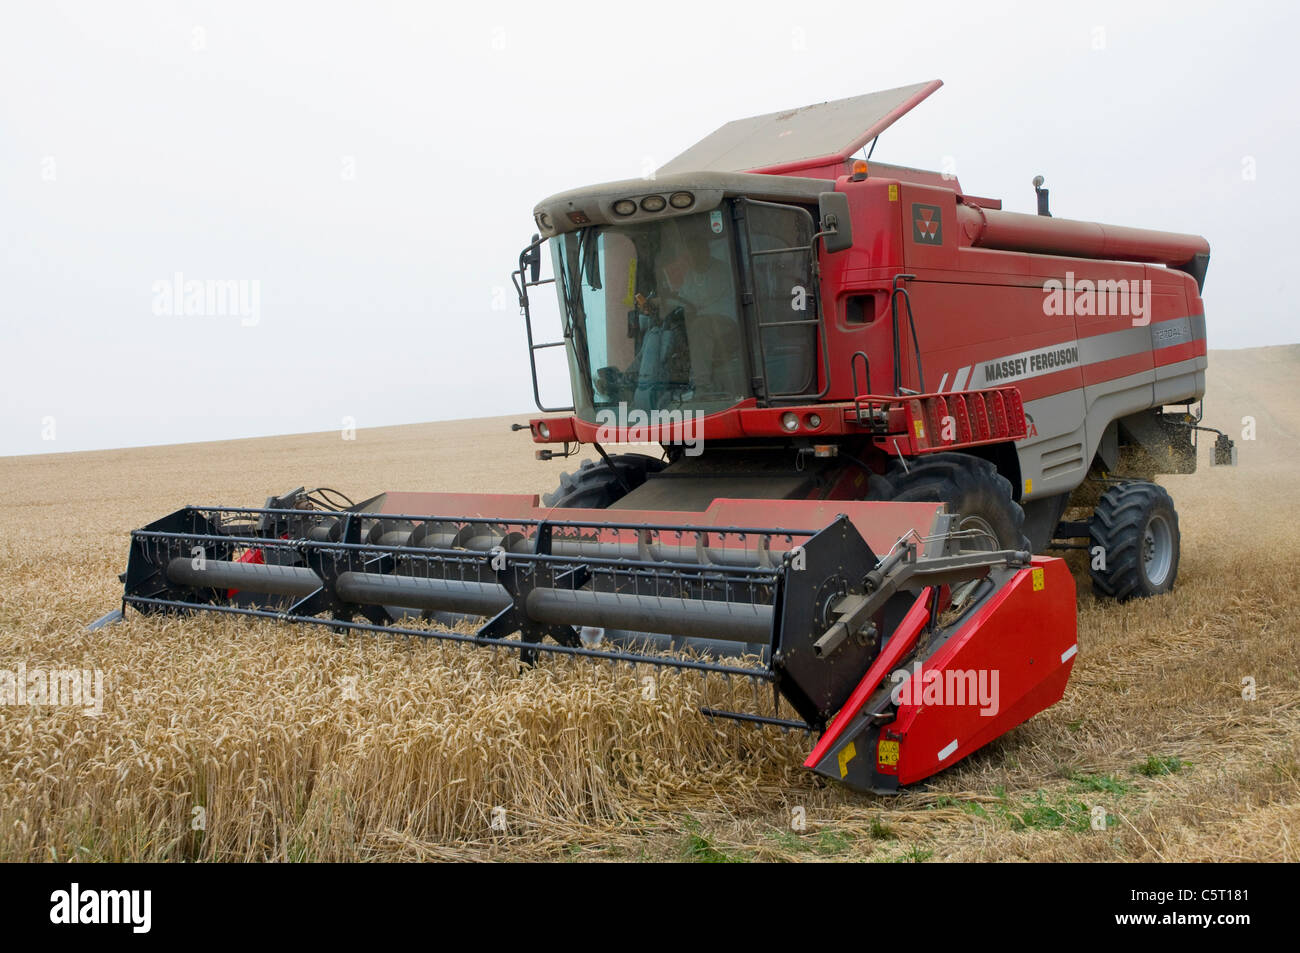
230, 739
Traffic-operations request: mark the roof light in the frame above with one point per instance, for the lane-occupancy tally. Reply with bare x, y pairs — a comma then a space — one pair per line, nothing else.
681, 200
859, 170
653, 203
624, 207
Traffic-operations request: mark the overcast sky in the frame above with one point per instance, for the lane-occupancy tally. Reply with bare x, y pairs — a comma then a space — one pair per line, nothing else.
372, 167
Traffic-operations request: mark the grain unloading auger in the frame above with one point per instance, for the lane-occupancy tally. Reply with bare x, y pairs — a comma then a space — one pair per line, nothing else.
824, 600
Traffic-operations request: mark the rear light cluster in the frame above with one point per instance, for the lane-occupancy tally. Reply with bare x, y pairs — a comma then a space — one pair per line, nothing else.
654, 203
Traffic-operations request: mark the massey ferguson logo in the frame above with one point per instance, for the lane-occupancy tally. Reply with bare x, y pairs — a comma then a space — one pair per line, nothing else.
927, 225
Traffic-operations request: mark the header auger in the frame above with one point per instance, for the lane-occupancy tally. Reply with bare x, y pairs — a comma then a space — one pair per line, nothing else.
876, 396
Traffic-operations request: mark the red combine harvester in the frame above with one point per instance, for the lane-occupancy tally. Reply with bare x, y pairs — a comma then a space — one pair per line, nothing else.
876, 397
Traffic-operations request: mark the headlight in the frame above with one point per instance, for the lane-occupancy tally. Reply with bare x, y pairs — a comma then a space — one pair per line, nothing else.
681, 200
653, 203
814, 421
624, 207
544, 431
790, 421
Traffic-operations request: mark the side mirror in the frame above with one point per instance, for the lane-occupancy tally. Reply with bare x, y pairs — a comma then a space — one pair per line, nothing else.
533, 259
836, 226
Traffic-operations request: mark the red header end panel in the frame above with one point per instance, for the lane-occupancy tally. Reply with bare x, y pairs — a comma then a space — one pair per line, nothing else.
1023, 644
1009, 659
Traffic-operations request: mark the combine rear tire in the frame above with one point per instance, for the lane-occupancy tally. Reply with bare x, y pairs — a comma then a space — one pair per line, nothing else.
594, 485
1137, 529
971, 486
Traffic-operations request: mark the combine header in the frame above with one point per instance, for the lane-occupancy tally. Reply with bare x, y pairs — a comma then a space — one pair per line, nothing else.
825, 613
876, 395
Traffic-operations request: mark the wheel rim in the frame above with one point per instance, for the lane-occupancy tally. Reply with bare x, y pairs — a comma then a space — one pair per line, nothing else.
982, 538
1158, 549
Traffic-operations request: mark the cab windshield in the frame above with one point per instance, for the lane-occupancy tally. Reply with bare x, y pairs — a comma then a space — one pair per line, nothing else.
652, 312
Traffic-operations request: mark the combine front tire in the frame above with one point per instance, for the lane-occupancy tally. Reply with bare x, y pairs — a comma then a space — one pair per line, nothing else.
1137, 529
972, 488
595, 486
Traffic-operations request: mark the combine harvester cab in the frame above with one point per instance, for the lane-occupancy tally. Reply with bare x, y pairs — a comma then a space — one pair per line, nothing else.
826, 601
